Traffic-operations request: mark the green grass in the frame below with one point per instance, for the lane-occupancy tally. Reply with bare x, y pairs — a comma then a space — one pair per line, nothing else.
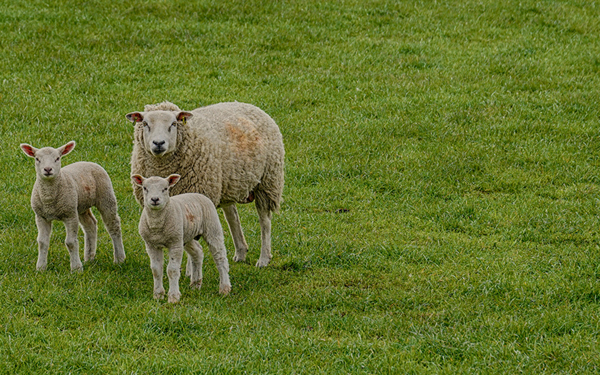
441, 193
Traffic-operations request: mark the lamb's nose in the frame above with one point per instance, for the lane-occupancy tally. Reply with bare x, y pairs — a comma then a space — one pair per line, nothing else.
48, 170
154, 200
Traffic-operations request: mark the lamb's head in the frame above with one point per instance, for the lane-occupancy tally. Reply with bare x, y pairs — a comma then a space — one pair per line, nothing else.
160, 129
47, 159
156, 189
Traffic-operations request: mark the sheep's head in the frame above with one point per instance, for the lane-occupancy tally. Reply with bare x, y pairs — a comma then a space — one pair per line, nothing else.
160, 129
47, 159
156, 189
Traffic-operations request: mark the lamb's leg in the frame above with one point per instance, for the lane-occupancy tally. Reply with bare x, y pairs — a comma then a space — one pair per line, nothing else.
156, 265
264, 216
43, 239
195, 259
90, 229
174, 271
71, 228
188, 267
219, 254
235, 227
112, 222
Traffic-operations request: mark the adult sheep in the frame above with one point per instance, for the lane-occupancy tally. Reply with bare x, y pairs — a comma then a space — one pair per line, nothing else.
230, 152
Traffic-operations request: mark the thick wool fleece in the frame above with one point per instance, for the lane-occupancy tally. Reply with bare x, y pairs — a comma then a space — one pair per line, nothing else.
230, 152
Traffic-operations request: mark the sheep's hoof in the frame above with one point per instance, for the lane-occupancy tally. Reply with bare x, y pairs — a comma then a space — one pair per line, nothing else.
174, 298
159, 295
262, 263
240, 256
196, 284
225, 289
77, 269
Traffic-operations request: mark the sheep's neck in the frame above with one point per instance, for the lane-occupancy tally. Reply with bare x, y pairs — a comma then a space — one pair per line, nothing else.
49, 189
157, 218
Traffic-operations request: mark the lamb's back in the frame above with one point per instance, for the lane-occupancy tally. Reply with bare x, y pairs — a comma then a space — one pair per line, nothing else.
91, 182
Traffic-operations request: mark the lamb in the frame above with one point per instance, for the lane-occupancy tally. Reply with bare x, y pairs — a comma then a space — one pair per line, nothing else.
177, 223
230, 152
67, 194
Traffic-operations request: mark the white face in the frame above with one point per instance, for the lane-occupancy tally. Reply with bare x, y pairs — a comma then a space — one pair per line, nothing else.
160, 132
47, 159
47, 163
155, 189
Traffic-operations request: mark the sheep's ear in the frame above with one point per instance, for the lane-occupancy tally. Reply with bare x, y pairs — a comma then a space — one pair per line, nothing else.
173, 179
64, 150
135, 117
183, 116
137, 179
29, 150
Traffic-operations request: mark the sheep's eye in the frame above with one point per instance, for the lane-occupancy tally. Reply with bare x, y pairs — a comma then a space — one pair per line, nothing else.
172, 125
145, 124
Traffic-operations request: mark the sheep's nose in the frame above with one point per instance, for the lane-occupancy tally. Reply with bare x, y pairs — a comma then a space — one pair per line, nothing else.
159, 144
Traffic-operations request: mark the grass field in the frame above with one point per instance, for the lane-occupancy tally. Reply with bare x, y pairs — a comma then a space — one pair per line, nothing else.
441, 195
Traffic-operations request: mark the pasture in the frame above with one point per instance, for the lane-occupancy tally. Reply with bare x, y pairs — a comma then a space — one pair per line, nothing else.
442, 193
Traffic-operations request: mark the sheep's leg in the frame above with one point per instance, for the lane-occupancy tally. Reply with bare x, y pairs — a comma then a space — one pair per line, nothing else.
235, 227
195, 259
72, 227
156, 265
219, 254
90, 229
174, 271
264, 216
43, 239
188, 267
112, 223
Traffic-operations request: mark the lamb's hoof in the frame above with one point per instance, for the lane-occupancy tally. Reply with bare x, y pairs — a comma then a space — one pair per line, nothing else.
77, 269
159, 295
225, 289
240, 256
40, 267
174, 298
89, 258
119, 260
196, 284
262, 262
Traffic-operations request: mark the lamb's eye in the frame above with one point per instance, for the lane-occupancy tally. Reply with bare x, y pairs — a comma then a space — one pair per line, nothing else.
57, 159
37, 159
165, 189
145, 189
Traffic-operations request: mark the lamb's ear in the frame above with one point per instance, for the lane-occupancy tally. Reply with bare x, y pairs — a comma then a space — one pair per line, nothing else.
173, 179
183, 116
64, 150
29, 150
135, 117
137, 179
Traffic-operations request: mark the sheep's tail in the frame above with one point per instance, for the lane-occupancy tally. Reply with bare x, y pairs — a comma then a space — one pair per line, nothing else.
265, 201
164, 106
268, 193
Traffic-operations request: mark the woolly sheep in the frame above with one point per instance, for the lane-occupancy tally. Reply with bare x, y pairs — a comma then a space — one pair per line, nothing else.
67, 194
177, 223
230, 152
